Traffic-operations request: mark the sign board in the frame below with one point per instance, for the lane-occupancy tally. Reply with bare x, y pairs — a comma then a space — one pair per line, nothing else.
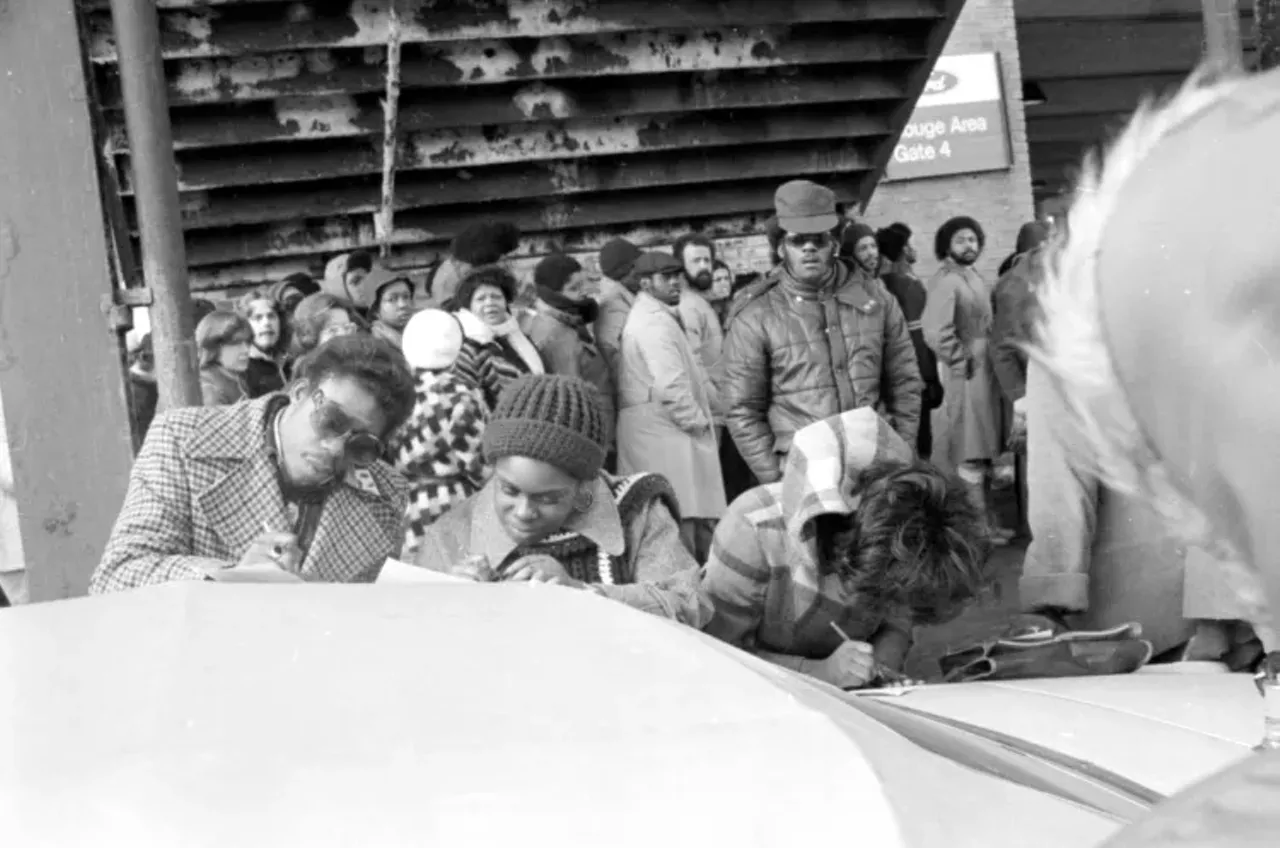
958, 126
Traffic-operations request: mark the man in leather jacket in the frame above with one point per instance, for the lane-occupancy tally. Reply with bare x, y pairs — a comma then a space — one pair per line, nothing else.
815, 339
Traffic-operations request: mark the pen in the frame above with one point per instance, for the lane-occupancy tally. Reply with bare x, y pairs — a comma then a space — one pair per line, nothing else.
882, 671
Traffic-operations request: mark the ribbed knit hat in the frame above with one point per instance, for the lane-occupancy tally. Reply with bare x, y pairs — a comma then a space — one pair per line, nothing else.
551, 418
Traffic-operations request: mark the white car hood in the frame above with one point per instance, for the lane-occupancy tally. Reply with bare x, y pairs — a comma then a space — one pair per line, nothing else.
1164, 728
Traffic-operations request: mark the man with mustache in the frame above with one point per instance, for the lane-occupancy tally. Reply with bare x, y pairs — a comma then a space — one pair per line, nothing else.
697, 256
957, 322
816, 339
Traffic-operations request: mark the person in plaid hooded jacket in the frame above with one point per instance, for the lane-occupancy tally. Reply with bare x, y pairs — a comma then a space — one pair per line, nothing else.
438, 449
858, 539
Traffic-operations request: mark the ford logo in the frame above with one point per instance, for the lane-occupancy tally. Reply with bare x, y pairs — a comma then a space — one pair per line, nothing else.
940, 81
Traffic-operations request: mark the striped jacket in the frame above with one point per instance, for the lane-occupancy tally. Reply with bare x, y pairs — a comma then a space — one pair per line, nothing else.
762, 573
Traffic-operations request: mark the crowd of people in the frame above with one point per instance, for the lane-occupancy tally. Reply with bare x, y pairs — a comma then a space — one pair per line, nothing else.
798, 462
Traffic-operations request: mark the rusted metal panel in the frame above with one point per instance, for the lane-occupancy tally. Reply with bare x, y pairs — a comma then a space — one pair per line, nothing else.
204, 31
218, 278
437, 226
569, 117
509, 144
207, 210
478, 63
433, 109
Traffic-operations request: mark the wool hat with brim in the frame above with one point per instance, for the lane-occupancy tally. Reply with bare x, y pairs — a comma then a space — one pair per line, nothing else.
805, 207
616, 258
432, 340
655, 262
551, 418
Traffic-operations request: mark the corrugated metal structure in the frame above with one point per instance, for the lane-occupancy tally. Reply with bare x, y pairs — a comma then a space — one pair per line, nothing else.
576, 119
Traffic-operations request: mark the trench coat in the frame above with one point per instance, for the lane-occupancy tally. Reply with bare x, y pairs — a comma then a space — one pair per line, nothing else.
665, 422
957, 327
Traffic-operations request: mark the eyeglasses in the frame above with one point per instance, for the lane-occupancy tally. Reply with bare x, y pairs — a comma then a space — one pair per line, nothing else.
331, 422
818, 240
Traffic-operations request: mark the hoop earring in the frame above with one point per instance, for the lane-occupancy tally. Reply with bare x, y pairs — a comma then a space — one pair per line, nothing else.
584, 501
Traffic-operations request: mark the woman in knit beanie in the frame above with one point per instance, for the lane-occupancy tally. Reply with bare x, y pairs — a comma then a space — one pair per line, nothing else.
562, 328
438, 449
550, 514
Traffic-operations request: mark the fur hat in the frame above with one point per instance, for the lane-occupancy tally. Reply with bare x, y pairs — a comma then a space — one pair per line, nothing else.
552, 418
432, 340
485, 243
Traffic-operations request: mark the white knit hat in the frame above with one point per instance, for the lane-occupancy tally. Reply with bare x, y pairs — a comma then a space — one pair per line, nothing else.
432, 340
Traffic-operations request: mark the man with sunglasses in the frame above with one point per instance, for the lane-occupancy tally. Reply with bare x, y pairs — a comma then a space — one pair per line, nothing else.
817, 338
287, 488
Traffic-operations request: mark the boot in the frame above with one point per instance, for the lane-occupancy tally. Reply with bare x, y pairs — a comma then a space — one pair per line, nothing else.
1004, 534
977, 492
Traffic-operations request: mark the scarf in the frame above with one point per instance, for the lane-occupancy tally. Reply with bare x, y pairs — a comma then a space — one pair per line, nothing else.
587, 310
509, 331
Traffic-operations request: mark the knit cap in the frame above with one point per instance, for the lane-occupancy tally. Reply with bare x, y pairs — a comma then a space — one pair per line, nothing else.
616, 258
552, 418
892, 241
553, 272
432, 340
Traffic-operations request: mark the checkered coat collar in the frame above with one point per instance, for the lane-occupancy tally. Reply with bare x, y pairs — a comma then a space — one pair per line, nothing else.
821, 472
243, 492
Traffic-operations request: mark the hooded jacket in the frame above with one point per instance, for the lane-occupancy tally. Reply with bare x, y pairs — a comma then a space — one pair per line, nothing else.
762, 576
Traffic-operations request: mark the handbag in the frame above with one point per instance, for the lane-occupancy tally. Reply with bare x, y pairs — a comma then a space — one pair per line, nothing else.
1040, 651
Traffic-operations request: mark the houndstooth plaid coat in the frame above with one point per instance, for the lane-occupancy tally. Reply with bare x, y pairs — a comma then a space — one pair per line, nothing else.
204, 485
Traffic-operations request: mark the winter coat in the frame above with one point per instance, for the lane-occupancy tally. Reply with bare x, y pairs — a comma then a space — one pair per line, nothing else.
263, 376
706, 337
626, 544
438, 449
793, 356
957, 326
567, 346
615, 305
910, 293
763, 577
490, 361
665, 422
1014, 313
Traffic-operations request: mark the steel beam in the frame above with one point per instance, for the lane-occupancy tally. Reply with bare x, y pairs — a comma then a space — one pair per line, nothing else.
155, 178
61, 371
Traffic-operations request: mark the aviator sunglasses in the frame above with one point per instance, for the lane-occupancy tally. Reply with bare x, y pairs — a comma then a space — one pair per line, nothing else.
818, 240
360, 448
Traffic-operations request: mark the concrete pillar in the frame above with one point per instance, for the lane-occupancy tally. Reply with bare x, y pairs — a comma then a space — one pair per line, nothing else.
62, 379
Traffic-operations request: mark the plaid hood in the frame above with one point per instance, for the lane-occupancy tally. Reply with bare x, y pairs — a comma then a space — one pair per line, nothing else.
822, 468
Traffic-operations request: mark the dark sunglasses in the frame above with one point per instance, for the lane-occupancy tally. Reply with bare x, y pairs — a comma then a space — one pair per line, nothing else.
331, 422
818, 240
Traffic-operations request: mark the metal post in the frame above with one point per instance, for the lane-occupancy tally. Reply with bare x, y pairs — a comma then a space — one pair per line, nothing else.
155, 182
1222, 45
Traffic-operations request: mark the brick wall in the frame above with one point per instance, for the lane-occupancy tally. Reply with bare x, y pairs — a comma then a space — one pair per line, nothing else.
1000, 200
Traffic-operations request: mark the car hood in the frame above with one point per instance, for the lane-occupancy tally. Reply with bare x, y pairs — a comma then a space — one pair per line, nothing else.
1163, 728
